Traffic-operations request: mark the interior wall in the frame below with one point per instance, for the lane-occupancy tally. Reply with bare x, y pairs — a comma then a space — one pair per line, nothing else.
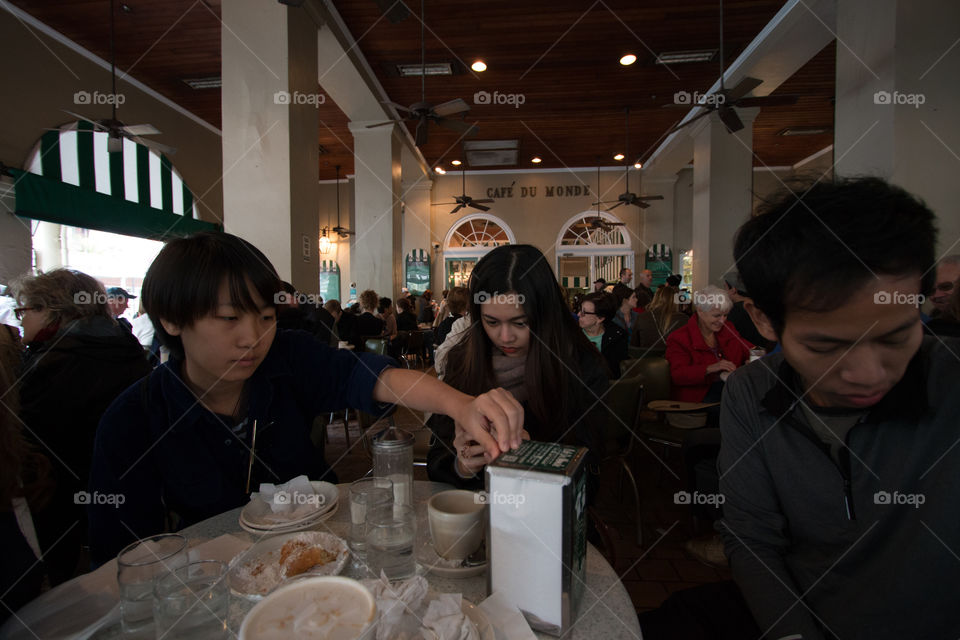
14, 237
42, 76
682, 215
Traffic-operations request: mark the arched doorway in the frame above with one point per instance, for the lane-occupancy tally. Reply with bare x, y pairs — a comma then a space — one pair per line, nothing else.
586, 252
469, 240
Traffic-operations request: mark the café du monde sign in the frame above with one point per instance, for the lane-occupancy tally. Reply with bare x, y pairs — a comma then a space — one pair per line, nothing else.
547, 191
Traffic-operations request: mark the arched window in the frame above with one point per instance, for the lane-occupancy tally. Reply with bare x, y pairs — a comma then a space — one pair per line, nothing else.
587, 250
76, 181
329, 280
468, 240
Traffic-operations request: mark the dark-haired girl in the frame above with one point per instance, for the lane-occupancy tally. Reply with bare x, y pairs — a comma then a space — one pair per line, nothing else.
525, 344
235, 404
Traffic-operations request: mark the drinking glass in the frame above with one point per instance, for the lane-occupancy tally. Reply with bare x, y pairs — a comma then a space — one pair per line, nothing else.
138, 566
191, 602
367, 496
391, 534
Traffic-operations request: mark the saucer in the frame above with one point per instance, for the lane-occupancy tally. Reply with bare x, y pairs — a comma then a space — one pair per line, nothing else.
432, 563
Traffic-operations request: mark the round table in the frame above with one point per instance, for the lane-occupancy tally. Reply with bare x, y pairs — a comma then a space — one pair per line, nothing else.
605, 610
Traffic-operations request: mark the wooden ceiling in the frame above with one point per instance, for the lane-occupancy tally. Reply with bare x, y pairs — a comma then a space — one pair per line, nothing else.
560, 55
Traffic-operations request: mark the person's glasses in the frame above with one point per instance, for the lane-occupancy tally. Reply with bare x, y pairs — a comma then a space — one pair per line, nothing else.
18, 312
588, 313
945, 286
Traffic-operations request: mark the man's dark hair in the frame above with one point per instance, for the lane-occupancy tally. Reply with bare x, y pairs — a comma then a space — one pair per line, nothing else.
812, 247
183, 283
405, 305
384, 304
604, 304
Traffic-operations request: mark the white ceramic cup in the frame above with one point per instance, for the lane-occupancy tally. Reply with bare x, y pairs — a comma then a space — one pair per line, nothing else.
313, 609
457, 521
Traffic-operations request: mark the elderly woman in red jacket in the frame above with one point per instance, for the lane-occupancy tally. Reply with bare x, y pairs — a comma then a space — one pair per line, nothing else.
700, 352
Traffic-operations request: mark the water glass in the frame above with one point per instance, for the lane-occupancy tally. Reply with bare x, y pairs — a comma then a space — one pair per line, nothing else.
138, 566
391, 535
191, 602
367, 496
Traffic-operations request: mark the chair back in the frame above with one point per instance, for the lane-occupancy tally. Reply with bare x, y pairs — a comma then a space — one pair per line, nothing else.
623, 400
645, 352
655, 372
375, 345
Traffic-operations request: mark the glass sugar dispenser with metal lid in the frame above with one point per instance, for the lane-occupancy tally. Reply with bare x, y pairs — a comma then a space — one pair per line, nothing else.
393, 459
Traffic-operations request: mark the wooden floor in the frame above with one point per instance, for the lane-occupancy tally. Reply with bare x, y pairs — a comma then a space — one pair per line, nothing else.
649, 573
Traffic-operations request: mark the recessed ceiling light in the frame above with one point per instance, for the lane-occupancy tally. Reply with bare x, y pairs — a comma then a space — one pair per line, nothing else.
637, 165
479, 66
536, 160
439, 170
679, 57
456, 163
628, 59
619, 156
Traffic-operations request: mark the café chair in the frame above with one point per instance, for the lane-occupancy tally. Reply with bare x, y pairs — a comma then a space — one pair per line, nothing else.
375, 345
411, 348
624, 401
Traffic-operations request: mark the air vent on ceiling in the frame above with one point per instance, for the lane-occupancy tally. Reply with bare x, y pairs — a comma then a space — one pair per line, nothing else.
492, 158
430, 69
486, 145
681, 57
210, 82
804, 131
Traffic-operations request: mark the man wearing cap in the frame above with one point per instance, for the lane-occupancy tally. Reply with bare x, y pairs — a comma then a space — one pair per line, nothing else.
117, 301
599, 284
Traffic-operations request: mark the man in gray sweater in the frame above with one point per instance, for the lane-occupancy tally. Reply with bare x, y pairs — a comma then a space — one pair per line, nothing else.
839, 456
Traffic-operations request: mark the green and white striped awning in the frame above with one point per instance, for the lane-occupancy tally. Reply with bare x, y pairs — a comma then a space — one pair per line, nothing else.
575, 282
329, 266
659, 252
72, 179
417, 272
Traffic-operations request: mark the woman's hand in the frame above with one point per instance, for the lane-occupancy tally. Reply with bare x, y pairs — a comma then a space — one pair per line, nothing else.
493, 418
723, 365
471, 457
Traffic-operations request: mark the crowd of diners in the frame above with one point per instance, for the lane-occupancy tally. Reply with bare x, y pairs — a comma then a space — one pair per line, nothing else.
834, 453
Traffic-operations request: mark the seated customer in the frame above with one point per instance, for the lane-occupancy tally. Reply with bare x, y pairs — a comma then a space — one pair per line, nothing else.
625, 317
706, 347
527, 347
456, 304
596, 320
237, 392
839, 455
368, 324
406, 319
78, 360
947, 322
661, 318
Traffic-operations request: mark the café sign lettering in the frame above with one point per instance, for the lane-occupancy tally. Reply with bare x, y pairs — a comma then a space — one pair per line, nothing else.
547, 191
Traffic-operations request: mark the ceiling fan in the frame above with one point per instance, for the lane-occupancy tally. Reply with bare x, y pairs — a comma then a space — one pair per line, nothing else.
115, 129
627, 197
342, 231
464, 200
725, 101
597, 221
423, 112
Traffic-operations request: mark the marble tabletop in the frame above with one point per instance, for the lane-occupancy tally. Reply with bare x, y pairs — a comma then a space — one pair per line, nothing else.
605, 611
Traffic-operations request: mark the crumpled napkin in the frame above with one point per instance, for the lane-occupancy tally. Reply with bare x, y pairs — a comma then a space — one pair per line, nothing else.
291, 500
444, 620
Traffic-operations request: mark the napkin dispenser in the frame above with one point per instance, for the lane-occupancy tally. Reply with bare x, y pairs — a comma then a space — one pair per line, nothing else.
536, 541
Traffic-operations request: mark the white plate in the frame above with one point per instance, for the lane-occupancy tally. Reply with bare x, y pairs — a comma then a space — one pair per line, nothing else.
428, 559
267, 554
303, 526
254, 513
479, 620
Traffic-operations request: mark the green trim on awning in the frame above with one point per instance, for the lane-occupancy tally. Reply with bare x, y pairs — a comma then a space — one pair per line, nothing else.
50, 155
143, 175
41, 198
166, 184
88, 178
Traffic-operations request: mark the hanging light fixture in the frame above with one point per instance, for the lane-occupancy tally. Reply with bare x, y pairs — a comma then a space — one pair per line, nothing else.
324, 242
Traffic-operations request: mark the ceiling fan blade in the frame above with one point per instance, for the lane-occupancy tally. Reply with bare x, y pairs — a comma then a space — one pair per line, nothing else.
647, 198
382, 124
461, 127
642, 205
768, 101
451, 107
395, 105
743, 87
702, 114
485, 200
141, 130
730, 119
457, 208
479, 206
96, 124
442, 204
420, 138
615, 206
155, 146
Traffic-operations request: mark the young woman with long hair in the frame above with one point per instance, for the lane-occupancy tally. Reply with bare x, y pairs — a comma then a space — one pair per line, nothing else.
661, 317
523, 341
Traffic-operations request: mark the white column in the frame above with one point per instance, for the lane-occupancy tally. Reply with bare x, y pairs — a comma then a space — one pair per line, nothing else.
898, 100
376, 252
270, 131
722, 183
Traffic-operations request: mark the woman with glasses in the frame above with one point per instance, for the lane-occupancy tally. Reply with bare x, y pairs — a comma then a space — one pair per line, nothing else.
234, 406
596, 320
522, 343
77, 361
